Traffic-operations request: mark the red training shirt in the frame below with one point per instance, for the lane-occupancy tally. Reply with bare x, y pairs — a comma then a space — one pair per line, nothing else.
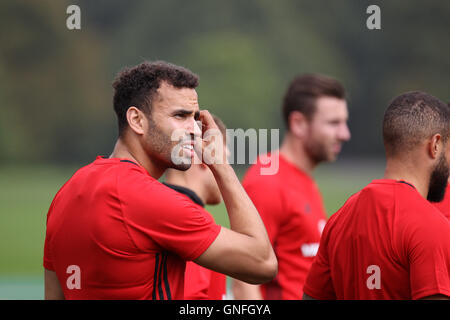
115, 232
200, 283
203, 284
444, 205
291, 208
386, 242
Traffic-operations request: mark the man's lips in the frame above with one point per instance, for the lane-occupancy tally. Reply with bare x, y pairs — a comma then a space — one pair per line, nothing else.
188, 147
337, 148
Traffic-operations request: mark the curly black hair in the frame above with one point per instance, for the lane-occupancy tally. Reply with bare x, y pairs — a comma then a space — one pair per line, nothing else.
137, 85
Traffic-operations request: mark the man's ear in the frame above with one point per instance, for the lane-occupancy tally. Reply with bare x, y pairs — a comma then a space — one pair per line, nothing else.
136, 120
435, 146
298, 124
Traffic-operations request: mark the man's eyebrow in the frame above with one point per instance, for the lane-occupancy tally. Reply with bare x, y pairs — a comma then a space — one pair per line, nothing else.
182, 112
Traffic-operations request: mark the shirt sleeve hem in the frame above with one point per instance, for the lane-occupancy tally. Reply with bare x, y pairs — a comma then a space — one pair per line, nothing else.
430, 292
313, 294
48, 265
204, 244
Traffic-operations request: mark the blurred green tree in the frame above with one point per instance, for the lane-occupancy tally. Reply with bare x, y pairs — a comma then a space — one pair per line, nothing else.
55, 98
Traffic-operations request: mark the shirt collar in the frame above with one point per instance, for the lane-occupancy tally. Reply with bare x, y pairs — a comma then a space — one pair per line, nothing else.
188, 192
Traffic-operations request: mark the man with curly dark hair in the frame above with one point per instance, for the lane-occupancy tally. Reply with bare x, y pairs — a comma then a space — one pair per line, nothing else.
115, 232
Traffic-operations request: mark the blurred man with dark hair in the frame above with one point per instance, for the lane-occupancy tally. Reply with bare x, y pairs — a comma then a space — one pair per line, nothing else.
115, 232
289, 202
388, 241
198, 184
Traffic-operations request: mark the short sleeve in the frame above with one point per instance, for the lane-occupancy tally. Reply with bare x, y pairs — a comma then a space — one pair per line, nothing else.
155, 214
319, 284
429, 257
48, 264
48, 259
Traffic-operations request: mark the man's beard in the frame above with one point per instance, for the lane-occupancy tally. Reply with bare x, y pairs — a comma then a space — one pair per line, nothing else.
160, 147
438, 181
318, 152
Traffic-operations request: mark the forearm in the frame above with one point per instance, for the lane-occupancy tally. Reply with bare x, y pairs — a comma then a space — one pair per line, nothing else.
244, 218
244, 251
245, 291
52, 288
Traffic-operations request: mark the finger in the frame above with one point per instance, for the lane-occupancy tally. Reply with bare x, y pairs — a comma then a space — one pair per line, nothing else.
207, 120
198, 129
198, 146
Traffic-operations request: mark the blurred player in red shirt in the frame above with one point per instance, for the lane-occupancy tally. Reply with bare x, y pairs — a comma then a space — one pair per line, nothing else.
289, 202
388, 241
115, 232
199, 185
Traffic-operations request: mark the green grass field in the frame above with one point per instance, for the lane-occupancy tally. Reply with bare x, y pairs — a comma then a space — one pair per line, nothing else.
26, 194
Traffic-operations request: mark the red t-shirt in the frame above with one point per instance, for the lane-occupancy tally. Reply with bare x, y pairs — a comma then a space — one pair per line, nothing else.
200, 283
386, 242
114, 232
291, 208
203, 284
444, 205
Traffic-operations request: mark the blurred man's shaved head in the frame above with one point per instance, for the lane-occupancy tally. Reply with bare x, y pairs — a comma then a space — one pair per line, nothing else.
411, 118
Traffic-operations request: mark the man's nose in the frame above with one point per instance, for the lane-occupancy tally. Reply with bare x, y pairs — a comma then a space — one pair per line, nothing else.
344, 133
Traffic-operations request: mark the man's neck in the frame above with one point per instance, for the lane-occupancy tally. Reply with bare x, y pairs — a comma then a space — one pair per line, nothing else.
125, 149
293, 151
401, 169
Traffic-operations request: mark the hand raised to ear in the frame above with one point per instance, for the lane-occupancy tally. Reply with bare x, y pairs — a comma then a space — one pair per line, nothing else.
210, 145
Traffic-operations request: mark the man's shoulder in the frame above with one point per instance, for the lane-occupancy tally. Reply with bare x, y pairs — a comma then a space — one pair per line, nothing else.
103, 169
257, 176
389, 193
346, 207
255, 182
417, 216
409, 200
138, 190
78, 176
400, 198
